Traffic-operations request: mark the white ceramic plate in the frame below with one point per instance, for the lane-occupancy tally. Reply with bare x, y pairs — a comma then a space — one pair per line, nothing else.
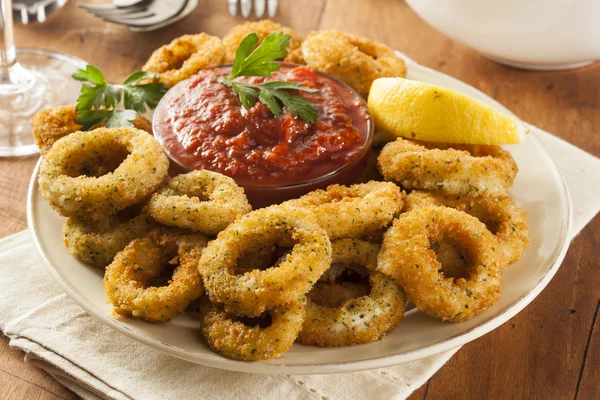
539, 189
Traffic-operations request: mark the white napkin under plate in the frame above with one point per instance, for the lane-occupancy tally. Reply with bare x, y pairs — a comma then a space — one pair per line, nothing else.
97, 362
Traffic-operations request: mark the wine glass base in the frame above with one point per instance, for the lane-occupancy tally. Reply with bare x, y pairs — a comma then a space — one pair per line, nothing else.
53, 86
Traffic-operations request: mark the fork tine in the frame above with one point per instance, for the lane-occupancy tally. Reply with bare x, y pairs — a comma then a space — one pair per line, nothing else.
259, 7
232, 7
112, 6
271, 8
246, 7
128, 17
117, 12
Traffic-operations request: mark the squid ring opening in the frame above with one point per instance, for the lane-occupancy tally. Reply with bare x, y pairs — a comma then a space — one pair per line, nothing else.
128, 279
354, 211
406, 255
357, 320
355, 60
500, 214
234, 339
89, 176
185, 56
254, 291
181, 203
98, 247
471, 170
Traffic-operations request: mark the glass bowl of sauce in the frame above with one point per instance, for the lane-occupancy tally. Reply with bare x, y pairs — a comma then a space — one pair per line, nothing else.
202, 125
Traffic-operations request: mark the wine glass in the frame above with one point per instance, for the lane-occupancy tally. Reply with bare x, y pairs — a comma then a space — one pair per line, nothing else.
30, 81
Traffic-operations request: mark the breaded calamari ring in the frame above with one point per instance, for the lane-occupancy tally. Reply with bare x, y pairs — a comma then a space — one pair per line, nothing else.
236, 340
355, 60
253, 292
75, 177
54, 123
128, 279
357, 320
407, 257
262, 28
500, 214
472, 170
203, 201
353, 211
185, 56
98, 247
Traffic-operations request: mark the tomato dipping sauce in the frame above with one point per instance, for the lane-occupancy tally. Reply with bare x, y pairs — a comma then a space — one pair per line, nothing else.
203, 125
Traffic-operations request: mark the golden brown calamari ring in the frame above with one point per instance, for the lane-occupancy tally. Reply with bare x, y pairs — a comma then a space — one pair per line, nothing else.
263, 28
355, 60
91, 175
99, 246
185, 56
407, 257
203, 201
236, 340
254, 291
500, 214
357, 320
353, 211
128, 279
54, 123
472, 170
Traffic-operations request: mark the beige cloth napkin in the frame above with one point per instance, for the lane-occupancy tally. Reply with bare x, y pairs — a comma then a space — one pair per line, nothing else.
96, 362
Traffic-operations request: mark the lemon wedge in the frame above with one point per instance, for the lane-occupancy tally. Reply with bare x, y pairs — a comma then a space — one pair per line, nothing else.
417, 110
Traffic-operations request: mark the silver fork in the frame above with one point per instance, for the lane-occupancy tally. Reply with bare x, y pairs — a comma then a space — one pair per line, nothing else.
246, 7
136, 13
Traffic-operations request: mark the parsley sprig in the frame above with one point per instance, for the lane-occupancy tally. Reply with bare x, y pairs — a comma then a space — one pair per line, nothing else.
260, 62
98, 101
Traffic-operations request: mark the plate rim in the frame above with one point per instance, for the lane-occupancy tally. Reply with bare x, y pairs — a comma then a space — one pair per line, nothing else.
217, 361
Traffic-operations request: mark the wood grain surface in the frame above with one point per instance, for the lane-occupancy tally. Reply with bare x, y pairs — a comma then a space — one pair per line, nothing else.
551, 350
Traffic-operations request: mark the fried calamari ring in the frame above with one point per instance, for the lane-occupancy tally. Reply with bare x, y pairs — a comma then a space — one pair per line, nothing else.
98, 247
406, 256
500, 214
357, 320
185, 56
54, 123
353, 211
128, 279
233, 339
76, 180
203, 201
263, 28
355, 60
471, 170
254, 291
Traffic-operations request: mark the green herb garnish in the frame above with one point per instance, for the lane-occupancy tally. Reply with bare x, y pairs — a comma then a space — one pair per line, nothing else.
260, 62
98, 100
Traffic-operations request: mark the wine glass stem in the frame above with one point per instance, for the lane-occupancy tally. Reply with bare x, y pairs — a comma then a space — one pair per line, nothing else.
7, 42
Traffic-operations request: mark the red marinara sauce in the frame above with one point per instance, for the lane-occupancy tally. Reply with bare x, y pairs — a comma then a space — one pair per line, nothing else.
203, 125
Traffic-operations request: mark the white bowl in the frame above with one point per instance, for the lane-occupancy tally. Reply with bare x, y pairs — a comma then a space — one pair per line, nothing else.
529, 34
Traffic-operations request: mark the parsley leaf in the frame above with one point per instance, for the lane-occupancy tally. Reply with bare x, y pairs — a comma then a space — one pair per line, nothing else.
98, 101
259, 61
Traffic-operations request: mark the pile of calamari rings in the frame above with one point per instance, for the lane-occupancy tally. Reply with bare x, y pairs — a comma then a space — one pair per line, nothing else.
334, 267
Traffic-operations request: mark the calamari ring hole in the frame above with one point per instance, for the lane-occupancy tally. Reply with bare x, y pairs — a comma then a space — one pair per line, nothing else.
261, 257
352, 283
129, 213
161, 274
94, 161
263, 321
456, 260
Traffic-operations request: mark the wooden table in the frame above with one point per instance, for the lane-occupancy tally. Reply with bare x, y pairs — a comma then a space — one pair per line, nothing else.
550, 350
